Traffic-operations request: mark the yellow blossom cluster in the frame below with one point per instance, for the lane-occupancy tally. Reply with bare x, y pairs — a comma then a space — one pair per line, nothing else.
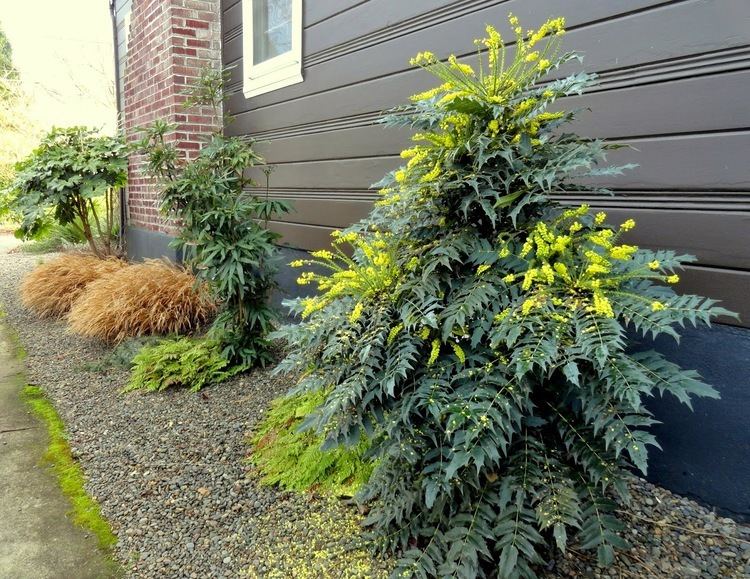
575, 265
373, 270
503, 85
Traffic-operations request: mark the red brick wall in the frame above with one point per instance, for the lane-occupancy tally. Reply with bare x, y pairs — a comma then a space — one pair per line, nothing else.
170, 42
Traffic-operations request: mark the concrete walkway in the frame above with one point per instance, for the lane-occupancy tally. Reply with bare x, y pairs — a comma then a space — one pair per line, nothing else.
37, 540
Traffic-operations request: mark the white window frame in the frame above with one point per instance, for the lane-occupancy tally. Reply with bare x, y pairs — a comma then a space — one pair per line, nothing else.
279, 71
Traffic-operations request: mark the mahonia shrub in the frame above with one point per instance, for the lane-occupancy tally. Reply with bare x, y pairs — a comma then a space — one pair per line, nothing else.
482, 335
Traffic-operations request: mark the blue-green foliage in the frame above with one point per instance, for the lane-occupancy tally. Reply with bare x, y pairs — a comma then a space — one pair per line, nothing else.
495, 375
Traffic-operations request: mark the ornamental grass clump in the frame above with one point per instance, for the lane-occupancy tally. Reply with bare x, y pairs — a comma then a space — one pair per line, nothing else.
144, 299
52, 287
482, 334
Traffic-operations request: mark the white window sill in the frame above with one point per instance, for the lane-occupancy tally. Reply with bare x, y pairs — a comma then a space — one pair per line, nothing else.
272, 81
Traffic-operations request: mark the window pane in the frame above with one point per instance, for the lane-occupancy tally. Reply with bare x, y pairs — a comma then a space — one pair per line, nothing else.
272, 28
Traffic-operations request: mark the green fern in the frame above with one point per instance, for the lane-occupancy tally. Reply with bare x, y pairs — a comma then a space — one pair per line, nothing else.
184, 362
294, 460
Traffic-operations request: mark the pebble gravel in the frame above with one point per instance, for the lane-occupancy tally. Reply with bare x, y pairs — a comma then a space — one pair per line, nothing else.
170, 472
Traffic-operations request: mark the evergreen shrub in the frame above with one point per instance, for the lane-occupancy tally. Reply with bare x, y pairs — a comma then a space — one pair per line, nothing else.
223, 229
482, 335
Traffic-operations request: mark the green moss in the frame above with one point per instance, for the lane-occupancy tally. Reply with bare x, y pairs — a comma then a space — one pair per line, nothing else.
294, 460
85, 511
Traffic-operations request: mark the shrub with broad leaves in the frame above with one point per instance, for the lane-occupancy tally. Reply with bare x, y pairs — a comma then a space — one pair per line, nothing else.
72, 178
222, 226
483, 337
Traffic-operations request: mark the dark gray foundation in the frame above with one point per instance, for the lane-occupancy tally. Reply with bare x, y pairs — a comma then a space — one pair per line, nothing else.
146, 244
706, 453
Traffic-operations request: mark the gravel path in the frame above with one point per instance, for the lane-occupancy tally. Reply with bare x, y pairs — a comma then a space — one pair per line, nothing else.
170, 469
170, 473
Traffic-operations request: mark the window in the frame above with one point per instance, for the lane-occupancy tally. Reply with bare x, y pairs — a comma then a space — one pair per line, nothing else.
272, 37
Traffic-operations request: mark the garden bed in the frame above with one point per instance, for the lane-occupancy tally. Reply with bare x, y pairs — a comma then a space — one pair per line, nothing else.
170, 473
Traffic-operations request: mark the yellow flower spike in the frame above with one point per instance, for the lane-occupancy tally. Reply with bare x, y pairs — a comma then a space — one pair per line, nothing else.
562, 270
297, 263
576, 226
504, 252
545, 117
513, 19
458, 352
657, 307
432, 174
544, 64
602, 305
460, 67
600, 218
400, 176
494, 39
423, 59
528, 278
494, 126
548, 272
673, 278
595, 268
654, 265
622, 251
524, 107
482, 268
628, 225
532, 56
510, 278
424, 333
502, 315
528, 305
434, 352
395, 330
548, 94
322, 254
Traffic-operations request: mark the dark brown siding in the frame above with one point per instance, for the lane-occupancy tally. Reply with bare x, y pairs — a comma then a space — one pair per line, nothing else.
674, 83
122, 13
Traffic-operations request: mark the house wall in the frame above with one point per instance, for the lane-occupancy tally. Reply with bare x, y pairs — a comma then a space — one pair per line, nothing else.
674, 77
122, 11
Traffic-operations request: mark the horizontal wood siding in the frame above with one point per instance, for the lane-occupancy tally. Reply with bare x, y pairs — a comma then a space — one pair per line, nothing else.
674, 78
122, 10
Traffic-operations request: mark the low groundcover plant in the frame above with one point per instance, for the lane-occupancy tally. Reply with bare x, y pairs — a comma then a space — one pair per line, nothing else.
184, 362
482, 336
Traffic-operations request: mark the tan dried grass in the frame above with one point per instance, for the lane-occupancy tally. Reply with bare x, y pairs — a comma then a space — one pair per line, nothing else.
52, 287
150, 298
